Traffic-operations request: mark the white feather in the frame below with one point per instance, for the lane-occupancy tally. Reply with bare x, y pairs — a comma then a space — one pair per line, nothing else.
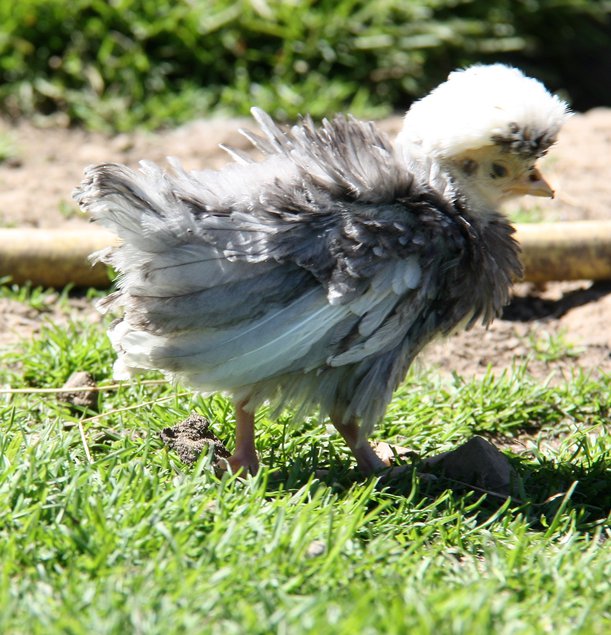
222, 358
474, 105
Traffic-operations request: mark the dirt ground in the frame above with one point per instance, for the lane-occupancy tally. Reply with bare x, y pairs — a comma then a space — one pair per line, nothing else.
36, 185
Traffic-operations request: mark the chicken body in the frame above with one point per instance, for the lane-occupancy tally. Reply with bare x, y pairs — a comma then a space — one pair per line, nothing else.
310, 279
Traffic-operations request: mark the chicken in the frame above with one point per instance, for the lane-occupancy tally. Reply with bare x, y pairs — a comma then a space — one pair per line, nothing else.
313, 278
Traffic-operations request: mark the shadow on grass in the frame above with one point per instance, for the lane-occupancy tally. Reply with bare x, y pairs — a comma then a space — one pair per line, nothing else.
550, 486
547, 490
540, 490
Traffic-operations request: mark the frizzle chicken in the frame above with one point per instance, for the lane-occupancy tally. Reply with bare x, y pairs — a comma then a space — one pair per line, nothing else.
314, 277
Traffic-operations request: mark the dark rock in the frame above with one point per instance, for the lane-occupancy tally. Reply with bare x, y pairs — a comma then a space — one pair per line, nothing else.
477, 464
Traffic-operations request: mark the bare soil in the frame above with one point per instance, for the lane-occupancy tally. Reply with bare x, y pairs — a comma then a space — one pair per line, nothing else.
568, 324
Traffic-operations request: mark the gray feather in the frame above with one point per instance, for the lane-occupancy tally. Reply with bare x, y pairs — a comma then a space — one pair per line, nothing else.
312, 278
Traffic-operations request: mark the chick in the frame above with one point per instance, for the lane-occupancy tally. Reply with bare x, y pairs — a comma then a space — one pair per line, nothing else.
314, 277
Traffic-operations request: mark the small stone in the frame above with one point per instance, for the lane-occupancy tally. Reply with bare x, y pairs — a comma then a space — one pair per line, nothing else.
13, 162
316, 548
80, 397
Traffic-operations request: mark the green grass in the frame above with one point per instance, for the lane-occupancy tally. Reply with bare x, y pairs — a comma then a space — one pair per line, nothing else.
530, 215
552, 346
126, 63
134, 541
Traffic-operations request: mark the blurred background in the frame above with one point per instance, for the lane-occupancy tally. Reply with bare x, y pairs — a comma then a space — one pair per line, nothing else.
120, 64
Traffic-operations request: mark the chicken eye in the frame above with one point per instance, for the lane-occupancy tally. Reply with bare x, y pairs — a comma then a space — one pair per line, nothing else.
498, 170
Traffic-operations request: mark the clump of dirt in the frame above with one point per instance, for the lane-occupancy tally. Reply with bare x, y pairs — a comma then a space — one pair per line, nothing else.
81, 391
191, 437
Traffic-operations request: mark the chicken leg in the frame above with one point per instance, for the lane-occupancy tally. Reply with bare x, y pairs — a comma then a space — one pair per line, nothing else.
367, 460
245, 456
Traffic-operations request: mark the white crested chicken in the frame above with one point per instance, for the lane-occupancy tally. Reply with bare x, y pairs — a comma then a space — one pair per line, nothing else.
314, 277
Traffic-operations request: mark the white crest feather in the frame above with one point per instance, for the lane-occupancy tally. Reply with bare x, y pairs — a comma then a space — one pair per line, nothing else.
476, 105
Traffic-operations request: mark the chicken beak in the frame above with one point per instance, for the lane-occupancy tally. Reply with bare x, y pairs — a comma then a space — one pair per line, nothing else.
532, 183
